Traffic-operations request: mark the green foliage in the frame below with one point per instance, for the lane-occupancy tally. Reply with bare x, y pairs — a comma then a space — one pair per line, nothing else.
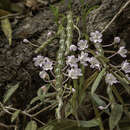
55, 11
98, 80
6, 27
70, 125
32, 125
116, 113
15, 115
124, 83
10, 92
58, 94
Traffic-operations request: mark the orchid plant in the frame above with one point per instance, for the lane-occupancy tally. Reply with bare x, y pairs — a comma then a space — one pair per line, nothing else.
73, 60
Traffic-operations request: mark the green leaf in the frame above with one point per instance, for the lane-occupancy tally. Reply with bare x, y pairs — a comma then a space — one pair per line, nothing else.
41, 94
125, 124
34, 100
32, 125
117, 94
70, 125
99, 102
10, 92
110, 94
15, 115
90, 123
115, 116
98, 116
68, 109
6, 27
123, 82
97, 81
90, 80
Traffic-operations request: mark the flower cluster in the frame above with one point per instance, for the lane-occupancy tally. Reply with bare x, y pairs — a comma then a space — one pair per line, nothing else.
45, 63
96, 37
72, 61
83, 58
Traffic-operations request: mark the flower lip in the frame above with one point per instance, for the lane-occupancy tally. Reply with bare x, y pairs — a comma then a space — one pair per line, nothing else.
38, 61
96, 37
117, 39
74, 72
94, 63
82, 44
73, 48
125, 66
72, 61
110, 79
83, 58
122, 51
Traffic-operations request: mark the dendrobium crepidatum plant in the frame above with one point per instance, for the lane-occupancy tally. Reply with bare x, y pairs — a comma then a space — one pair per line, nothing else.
73, 60
84, 58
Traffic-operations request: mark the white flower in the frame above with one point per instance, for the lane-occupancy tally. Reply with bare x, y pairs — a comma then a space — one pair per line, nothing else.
43, 74
73, 90
122, 51
72, 61
110, 79
38, 61
96, 37
74, 72
73, 48
83, 58
82, 44
94, 63
47, 64
125, 66
50, 33
26, 41
117, 39
101, 107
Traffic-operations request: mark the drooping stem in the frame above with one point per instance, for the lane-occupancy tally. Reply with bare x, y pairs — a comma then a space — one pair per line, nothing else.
58, 70
39, 49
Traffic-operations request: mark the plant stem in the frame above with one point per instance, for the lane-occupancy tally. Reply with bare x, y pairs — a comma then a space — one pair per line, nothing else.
58, 71
69, 30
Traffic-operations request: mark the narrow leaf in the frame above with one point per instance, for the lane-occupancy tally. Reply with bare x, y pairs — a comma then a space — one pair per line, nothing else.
117, 94
123, 82
100, 102
98, 116
34, 100
115, 116
90, 123
97, 81
32, 125
6, 27
70, 125
10, 92
90, 80
41, 94
15, 115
